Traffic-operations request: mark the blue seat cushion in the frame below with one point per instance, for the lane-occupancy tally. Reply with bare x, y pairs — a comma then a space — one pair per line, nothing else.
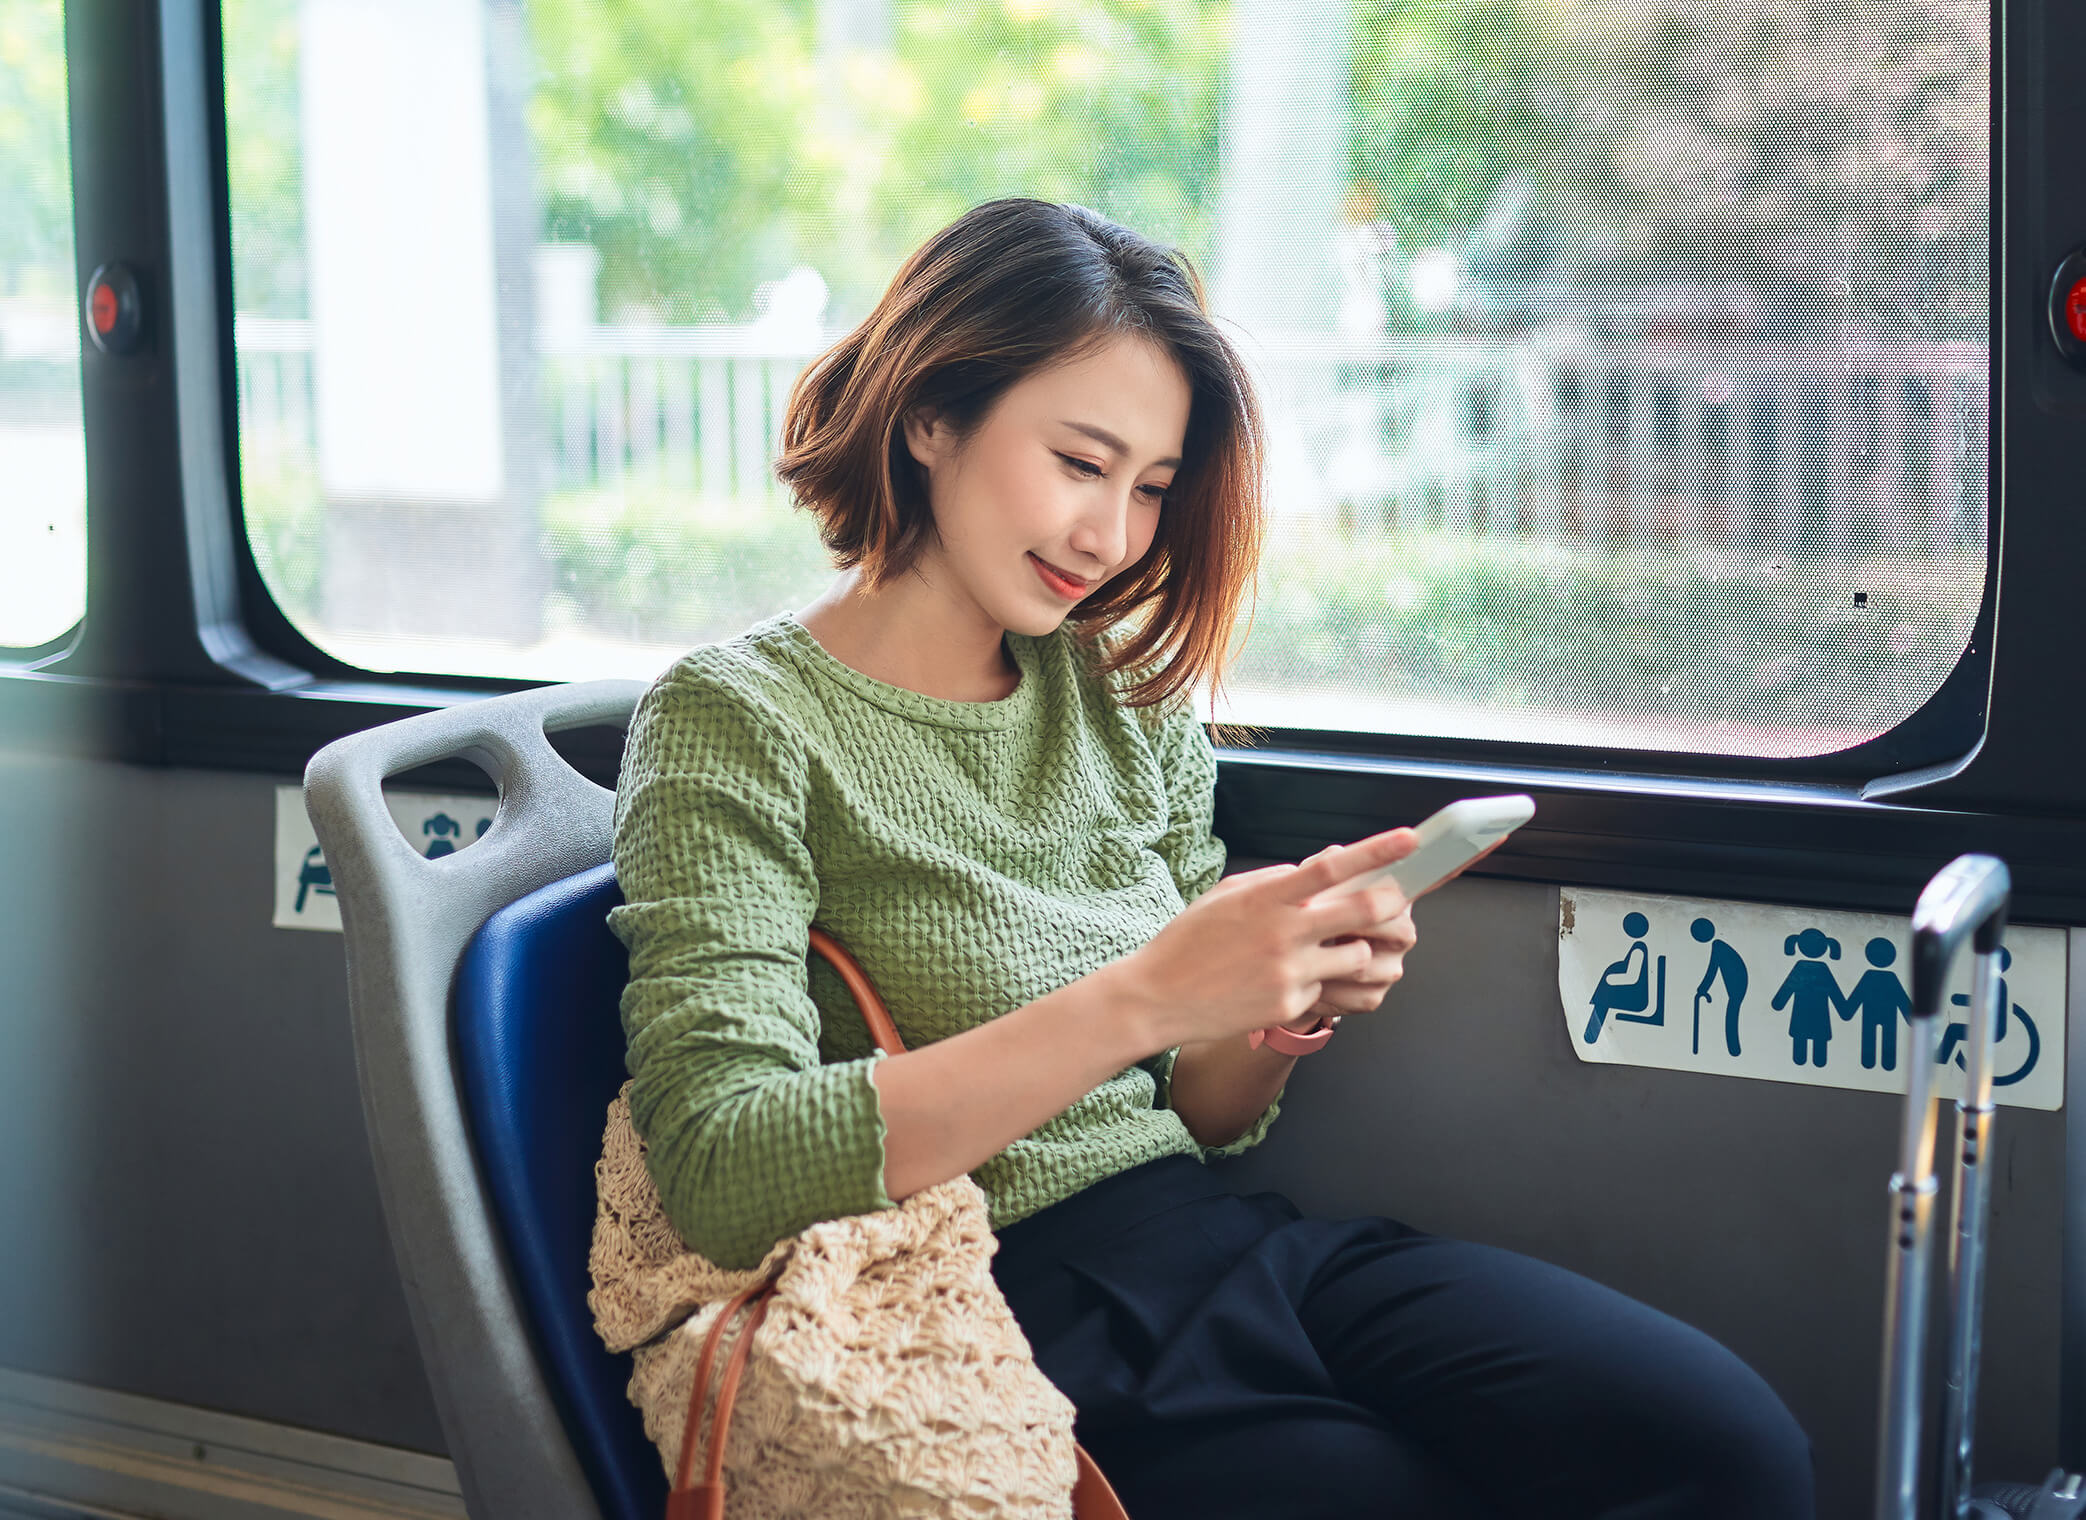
539, 1048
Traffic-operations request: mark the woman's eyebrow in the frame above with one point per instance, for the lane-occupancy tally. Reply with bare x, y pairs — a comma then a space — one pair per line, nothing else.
1103, 436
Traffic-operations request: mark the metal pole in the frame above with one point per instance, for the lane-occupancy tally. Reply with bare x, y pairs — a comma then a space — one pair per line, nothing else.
1966, 1262
1905, 1290
1967, 899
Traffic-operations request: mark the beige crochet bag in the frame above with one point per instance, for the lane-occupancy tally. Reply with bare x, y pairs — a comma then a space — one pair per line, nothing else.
886, 1379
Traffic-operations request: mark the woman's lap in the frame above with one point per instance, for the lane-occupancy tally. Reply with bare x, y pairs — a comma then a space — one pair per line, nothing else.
1225, 1354
1552, 1394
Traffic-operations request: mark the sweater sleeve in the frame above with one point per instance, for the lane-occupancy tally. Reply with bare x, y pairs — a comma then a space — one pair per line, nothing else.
1196, 858
748, 1137
1190, 850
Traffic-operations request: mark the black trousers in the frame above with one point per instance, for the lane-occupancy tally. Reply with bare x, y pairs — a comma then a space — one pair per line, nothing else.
1229, 1357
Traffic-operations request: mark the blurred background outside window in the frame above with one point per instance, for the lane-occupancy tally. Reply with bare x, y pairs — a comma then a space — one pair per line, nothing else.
1626, 360
43, 461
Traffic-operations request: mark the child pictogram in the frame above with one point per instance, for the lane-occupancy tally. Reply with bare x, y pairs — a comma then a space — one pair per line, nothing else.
1811, 993
1881, 1000
446, 832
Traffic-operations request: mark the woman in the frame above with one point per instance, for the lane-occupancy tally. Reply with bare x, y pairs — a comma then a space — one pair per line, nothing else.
1037, 465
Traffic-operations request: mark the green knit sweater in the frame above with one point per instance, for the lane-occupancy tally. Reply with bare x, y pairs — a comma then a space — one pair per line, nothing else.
974, 856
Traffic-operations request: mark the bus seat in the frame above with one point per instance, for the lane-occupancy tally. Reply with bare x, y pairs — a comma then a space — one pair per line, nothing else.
539, 1044
517, 1421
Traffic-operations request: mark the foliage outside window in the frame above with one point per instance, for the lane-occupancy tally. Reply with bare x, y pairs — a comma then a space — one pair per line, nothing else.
43, 510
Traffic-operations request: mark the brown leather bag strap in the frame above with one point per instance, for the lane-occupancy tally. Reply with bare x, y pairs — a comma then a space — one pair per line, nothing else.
1093, 1497
881, 1030
705, 1500
691, 1435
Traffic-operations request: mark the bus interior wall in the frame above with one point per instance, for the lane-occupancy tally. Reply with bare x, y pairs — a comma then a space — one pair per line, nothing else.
192, 1212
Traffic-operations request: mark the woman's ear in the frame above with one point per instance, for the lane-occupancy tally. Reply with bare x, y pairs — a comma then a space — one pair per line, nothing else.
926, 436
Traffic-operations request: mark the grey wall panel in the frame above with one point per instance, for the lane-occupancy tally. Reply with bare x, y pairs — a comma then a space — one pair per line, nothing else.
190, 1211
1754, 1210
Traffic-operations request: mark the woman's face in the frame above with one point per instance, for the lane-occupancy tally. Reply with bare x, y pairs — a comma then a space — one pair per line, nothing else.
1059, 488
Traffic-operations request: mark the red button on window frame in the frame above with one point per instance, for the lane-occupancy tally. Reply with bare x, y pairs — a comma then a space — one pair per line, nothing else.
2065, 310
104, 306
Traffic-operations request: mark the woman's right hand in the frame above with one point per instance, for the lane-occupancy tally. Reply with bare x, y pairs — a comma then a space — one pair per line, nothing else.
1251, 951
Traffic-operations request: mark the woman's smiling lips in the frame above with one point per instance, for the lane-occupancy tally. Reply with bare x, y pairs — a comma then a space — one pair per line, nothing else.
1064, 585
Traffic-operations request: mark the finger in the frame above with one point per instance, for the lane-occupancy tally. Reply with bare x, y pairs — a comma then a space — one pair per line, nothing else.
1359, 997
1386, 970
1239, 881
1327, 964
1340, 863
1385, 967
1399, 934
1347, 997
1398, 930
1260, 873
1360, 912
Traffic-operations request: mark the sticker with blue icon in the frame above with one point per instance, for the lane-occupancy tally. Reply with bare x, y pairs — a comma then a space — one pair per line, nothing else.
435, 824
1793, 995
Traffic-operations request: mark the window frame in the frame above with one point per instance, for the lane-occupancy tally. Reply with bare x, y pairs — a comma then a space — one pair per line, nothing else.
36, 656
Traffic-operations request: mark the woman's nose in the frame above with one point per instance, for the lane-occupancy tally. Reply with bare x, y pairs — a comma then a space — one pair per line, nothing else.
1106, 530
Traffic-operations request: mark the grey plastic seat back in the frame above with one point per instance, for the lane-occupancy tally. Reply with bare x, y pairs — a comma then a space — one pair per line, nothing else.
406, 920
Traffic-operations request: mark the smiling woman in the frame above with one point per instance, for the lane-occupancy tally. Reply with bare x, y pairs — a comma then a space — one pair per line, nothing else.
973, 759
1028, 334
1026, 475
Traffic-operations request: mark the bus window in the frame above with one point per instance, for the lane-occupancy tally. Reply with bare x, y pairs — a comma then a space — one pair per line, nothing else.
43, 510
1625, 365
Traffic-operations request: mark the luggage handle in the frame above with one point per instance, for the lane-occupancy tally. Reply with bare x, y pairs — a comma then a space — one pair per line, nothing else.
1092, 1497
1966, 900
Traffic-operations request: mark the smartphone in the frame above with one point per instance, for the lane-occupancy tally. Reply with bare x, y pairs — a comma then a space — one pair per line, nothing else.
1449, 841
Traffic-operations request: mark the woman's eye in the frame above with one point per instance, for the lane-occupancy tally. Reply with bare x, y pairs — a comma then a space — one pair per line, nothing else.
1156, 493
1085, 467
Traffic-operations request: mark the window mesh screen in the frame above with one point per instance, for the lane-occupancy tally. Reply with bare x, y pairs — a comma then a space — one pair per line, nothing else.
1659, 389
1625, 362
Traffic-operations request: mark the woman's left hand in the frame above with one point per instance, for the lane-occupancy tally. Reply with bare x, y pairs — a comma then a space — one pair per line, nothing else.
1389, 942
1365, 993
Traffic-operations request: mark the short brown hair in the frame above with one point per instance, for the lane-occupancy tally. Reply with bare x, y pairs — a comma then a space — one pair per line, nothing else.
1010, 288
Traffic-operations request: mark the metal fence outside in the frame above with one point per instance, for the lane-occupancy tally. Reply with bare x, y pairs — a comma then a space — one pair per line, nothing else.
1830, 449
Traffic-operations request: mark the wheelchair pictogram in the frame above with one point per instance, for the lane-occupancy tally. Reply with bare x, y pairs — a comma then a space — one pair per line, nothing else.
2009, 1013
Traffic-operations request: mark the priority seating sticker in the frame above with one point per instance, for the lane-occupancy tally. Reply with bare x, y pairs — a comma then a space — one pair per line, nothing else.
1792, 995
434, 823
